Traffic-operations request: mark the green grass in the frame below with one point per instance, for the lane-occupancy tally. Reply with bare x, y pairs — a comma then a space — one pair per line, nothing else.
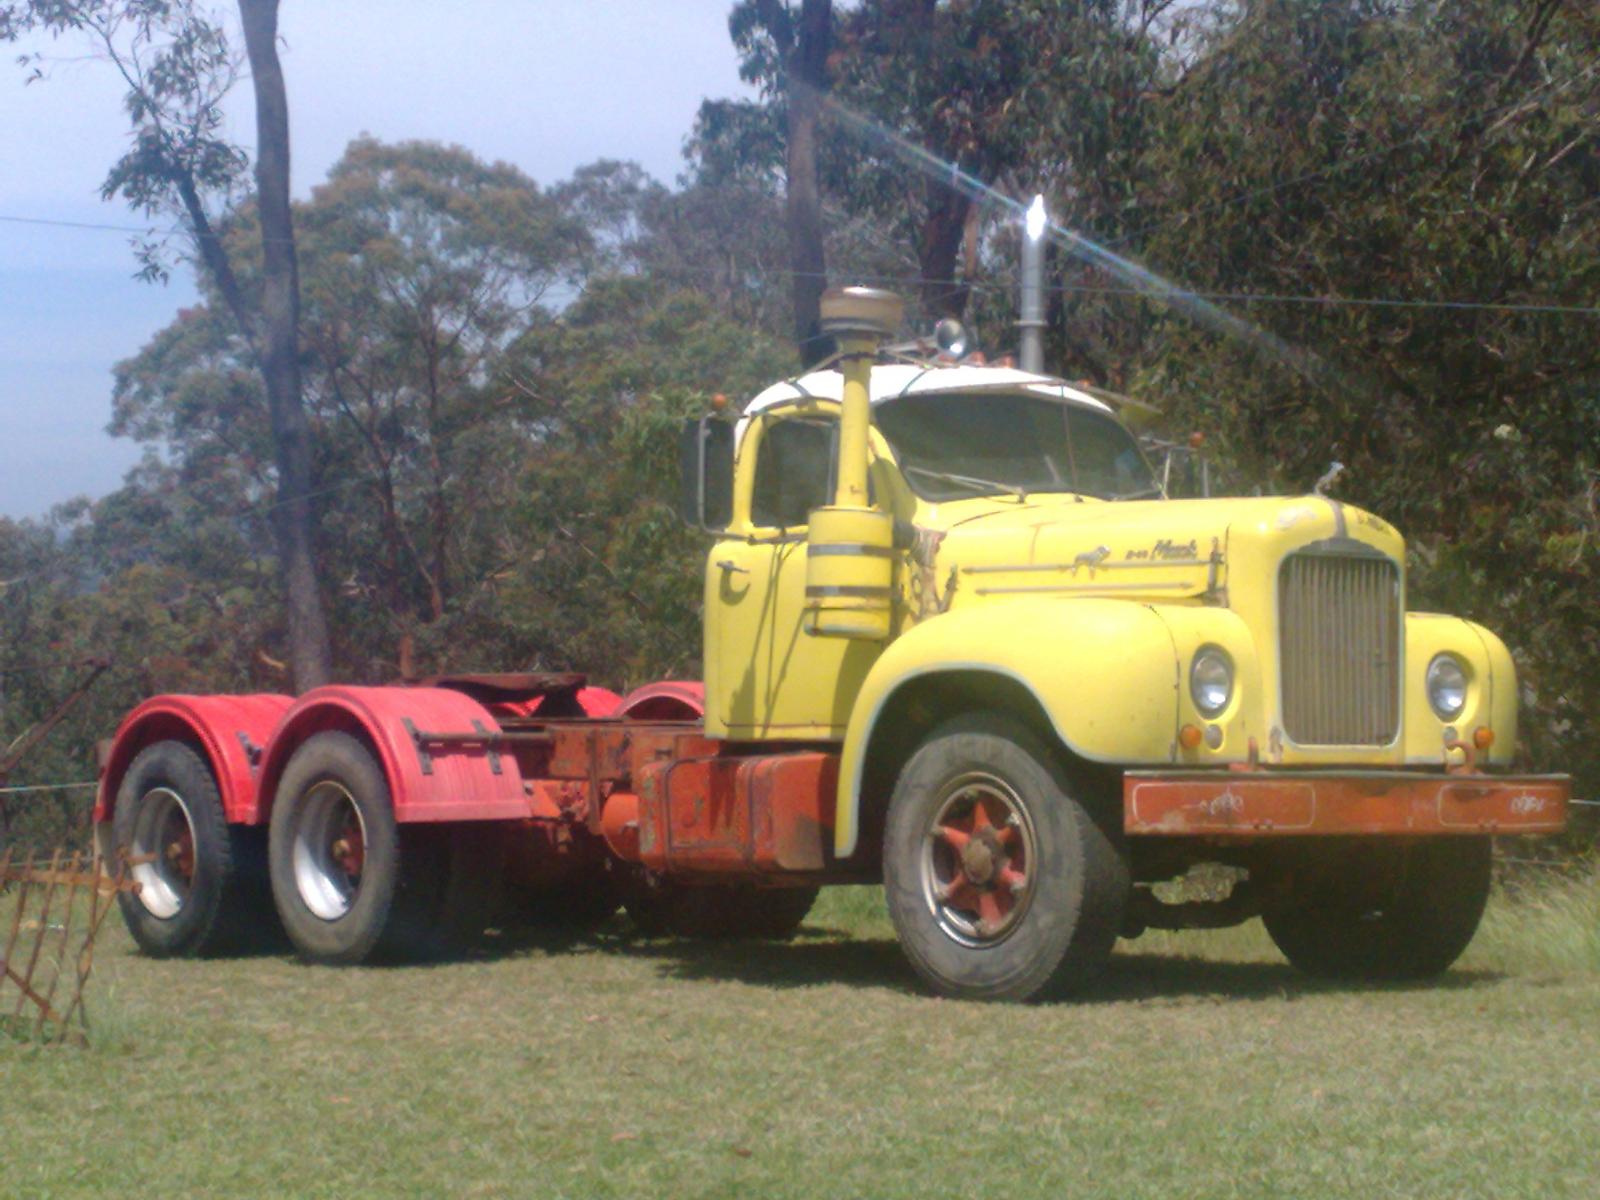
1200, 1066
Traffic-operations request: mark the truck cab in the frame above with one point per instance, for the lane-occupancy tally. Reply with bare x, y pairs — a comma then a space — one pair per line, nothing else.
1233, 680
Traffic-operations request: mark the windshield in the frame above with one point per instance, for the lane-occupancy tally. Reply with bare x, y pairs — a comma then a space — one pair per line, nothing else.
965, 444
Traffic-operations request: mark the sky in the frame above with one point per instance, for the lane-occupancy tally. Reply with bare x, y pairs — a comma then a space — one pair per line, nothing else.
547, 85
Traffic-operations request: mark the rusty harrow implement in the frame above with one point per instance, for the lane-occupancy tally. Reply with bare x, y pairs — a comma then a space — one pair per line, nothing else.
51, 911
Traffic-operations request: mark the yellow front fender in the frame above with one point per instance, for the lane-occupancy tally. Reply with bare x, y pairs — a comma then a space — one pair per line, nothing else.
1491, 690
1107, 673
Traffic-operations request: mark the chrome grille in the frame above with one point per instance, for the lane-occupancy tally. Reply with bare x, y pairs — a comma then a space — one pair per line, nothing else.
1339, 624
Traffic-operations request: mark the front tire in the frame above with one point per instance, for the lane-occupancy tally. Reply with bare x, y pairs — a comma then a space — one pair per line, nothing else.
1381, 911
1000, 882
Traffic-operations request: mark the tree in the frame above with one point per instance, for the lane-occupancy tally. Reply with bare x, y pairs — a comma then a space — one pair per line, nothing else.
1018, 96
310, 657
429, 263
610, 580
800, 72
178, 65
421, 265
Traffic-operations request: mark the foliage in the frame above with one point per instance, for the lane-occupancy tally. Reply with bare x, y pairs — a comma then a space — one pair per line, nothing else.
87, 587
178, 64
1017, 96
496, 475
614, 584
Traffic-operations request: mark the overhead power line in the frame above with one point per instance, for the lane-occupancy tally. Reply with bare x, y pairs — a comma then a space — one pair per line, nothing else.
1587, 310
104, 227
914, 281
1175, 293
95, 225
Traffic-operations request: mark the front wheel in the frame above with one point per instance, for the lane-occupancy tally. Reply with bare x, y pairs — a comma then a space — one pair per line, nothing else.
1377, 910
1000, 883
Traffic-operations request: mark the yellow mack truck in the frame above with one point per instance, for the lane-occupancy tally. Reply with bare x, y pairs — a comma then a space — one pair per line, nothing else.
956, 640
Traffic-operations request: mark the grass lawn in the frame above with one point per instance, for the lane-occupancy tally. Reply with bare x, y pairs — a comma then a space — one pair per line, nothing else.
1200, 1066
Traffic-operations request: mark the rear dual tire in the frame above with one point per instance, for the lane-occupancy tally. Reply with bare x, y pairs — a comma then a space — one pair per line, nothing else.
202, 882
351, 883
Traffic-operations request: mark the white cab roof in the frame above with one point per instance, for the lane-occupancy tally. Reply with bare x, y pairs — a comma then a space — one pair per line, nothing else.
894, 379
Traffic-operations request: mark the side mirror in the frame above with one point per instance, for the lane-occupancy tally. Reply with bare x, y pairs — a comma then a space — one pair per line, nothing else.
705, 449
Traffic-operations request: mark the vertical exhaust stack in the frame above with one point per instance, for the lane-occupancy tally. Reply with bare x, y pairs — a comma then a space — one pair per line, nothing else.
850, 560
1031, 323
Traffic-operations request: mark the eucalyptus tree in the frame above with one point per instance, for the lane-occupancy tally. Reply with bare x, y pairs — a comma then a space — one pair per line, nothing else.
178, 64
428, 263
928, 104
421, 265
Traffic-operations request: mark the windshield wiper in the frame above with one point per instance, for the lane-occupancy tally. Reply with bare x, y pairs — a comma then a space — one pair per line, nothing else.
969, 481
1152, 490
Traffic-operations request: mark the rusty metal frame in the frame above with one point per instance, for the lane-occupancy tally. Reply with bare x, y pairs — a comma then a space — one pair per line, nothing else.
481, 735
52, 960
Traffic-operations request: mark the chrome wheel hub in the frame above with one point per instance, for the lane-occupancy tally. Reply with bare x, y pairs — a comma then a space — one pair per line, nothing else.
328, 850
163, 836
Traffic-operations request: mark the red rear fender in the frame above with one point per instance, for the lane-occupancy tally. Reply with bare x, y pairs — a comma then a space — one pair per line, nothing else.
668, 700
229, 732
427, 782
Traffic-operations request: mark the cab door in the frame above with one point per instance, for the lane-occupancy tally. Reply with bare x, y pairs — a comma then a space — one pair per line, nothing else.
766, 677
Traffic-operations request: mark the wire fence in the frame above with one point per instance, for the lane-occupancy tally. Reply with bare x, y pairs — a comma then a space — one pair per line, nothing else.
46, 813
24, 789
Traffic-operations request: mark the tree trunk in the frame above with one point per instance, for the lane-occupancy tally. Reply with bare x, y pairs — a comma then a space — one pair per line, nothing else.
807, 82
439, 507
310, 659
938, 253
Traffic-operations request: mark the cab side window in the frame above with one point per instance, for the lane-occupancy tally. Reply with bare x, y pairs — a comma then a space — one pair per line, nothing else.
794, 472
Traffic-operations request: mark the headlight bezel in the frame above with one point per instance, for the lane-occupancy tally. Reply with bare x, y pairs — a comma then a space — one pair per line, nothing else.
1203, 693
1432, 685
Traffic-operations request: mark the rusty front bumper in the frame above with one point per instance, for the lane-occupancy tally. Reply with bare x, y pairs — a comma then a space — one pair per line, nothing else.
1266, 803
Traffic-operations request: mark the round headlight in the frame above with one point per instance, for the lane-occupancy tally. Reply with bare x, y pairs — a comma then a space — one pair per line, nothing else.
1447, 686
1211, 680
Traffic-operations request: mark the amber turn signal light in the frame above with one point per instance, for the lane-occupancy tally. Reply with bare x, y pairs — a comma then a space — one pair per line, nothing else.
1189, 736
1483, 737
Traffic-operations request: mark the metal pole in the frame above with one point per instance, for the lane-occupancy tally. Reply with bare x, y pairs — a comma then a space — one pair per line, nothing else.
1032, 306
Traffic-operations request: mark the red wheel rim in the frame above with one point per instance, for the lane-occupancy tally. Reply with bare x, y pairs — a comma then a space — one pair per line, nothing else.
978, 860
